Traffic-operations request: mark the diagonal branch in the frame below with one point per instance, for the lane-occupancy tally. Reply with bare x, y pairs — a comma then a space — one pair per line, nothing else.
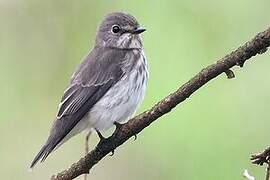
134, 126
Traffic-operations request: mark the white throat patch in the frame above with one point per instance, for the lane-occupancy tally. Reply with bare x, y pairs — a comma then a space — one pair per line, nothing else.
128, 40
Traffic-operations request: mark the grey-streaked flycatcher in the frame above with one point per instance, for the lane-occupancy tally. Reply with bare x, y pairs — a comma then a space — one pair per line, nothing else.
106, 88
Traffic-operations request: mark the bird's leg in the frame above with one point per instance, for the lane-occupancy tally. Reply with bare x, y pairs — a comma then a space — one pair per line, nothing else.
87, 147
102, 140
101, 137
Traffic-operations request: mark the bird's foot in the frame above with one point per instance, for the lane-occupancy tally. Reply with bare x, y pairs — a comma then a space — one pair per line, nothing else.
102, 140
101, 137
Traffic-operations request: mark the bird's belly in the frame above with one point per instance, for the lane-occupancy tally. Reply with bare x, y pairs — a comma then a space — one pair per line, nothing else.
120, 102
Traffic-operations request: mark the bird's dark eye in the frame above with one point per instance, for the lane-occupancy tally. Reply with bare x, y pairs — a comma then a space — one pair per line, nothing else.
115, 29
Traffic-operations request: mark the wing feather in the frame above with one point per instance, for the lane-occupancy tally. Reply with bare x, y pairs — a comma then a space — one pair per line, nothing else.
95, 76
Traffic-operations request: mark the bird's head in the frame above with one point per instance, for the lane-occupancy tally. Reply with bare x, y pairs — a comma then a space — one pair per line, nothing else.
119, 30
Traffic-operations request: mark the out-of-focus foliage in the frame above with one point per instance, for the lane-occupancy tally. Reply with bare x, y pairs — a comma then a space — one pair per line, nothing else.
209, 136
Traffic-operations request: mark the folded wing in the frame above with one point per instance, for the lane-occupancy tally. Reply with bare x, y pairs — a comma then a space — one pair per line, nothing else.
95, 76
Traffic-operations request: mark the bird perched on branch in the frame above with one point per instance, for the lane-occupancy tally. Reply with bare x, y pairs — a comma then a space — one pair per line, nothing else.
107, 86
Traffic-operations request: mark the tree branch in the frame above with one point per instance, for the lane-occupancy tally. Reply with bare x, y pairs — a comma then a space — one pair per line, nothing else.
261, 158
134, 126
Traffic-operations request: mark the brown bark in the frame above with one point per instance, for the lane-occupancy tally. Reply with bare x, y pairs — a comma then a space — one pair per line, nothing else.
135, 125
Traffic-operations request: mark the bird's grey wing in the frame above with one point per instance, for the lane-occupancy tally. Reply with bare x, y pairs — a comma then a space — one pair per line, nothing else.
89, 83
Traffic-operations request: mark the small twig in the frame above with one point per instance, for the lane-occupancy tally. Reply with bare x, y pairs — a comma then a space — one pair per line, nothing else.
247, 175
229, 74
87, 142
87, 147
261, 158
267, 177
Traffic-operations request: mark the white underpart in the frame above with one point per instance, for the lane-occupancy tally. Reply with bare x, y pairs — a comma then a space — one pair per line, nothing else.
121, 101
118, 104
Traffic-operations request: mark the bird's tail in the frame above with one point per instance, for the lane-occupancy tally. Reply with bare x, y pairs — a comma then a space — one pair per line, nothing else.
50, 145
57, 137
46, 149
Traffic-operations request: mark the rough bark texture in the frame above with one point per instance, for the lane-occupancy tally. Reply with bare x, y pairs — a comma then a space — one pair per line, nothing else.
134, 126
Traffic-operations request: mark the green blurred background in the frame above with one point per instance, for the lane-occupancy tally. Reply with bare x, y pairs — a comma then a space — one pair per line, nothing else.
209, 136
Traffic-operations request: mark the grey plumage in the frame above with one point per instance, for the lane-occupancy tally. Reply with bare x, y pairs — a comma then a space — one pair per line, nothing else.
107, 86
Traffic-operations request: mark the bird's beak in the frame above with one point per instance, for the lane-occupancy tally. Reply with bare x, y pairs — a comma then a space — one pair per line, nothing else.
138, 30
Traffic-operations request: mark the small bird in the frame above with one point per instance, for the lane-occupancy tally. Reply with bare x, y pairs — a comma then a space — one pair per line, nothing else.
107, 86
